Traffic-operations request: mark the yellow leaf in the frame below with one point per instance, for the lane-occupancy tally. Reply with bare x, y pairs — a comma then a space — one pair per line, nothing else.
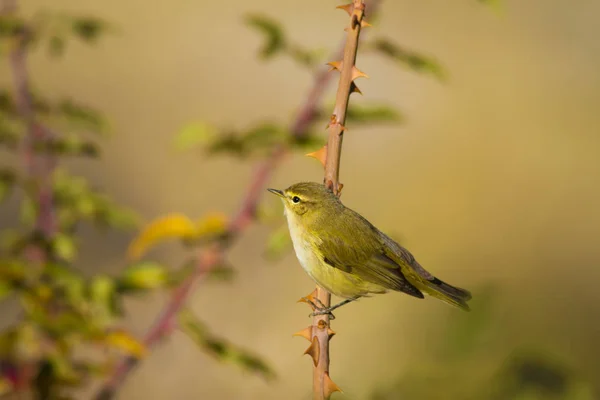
167, 227
212, 224
127, 343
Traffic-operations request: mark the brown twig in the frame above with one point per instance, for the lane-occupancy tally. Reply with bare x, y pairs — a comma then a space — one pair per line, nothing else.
320, 332
245, 216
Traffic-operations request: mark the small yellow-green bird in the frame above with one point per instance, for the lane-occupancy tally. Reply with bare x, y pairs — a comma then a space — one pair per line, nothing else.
348, 256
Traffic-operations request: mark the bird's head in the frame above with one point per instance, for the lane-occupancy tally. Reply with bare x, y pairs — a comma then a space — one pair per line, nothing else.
307, 198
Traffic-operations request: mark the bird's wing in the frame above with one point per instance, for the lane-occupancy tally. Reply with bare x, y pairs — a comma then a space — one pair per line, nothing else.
364, 256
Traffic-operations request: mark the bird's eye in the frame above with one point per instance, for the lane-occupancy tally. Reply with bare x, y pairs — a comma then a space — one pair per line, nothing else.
296, 199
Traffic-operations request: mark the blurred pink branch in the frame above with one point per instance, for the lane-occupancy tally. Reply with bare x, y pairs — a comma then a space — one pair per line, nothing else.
210, 257
38, 166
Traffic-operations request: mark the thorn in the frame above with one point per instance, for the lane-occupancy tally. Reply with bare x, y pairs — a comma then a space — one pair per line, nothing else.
306, 333
365, 24
340, 187
335, 65
313, 351
330, 386
347, 7
354, 88
320, 155
357, 73
330, 332
310, 299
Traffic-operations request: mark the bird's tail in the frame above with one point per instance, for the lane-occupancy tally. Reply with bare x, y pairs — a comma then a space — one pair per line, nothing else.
450, 294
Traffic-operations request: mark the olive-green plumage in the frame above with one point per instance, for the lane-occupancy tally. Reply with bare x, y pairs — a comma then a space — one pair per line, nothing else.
349, 257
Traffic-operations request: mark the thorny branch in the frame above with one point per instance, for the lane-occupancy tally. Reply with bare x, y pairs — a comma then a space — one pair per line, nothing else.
211, 257
320, 332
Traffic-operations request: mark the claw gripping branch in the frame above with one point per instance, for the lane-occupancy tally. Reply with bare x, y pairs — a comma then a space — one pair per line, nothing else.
320, 333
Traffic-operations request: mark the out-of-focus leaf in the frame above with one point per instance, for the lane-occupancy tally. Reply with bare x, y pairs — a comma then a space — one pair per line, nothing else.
28, 211
211, 225
167, 227
70, 282
199, 133
88, 29
144, 275
411, 59
13, 270
308, 58
103, 291
11, 25
82, 116
278, 243
372, 114
117, 217
10, 129
62, 368
28, 340
177, 226
57, 45
5, 290
256, 140
309, 141
222, 273
7, 181
264, 135
71, 145
64, 247
126, 343
220, 349
274, 37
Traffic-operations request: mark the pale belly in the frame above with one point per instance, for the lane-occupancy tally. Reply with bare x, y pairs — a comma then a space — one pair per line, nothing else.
330, 278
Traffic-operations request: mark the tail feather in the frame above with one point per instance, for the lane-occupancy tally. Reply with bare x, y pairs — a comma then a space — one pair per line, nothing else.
450, 294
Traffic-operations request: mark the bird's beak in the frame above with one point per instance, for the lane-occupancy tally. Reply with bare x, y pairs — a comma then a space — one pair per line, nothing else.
276, 192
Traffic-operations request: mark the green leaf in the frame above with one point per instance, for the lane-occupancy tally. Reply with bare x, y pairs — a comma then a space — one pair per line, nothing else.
220, 349
103, 295
256, 140
57, 45
28, 211
82, 116
63, 246
69, 145
413, 60
11, 25
6, 290
7, 180
194, 134
144, 275
10, 130
274, 37
372, 114
308, 141
88, 29
278, 243
222, 273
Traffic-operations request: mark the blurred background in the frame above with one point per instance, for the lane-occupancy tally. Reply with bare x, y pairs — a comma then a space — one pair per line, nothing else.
491, 180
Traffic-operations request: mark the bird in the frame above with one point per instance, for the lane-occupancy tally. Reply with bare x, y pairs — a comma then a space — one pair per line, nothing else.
348, 256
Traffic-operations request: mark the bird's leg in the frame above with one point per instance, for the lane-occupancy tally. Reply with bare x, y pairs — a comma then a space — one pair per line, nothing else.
322, 310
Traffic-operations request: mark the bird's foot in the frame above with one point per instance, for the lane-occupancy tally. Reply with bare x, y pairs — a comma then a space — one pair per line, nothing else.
320, 309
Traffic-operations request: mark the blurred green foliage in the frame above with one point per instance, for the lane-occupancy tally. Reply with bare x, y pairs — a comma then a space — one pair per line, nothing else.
464, 354
67, 331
